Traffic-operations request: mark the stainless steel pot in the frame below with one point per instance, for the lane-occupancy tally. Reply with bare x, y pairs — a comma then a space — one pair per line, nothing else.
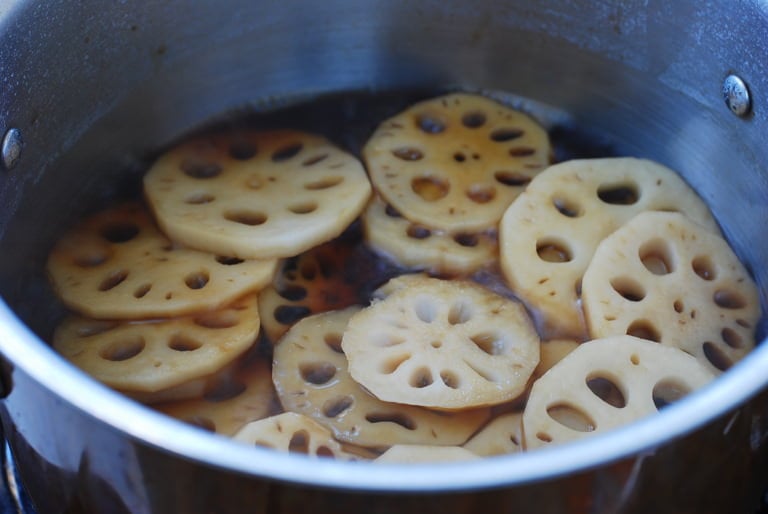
91, 89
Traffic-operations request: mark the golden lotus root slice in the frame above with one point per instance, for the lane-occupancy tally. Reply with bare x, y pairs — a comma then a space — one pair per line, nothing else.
667, 279
455, 162
548, 235
232, 399
118, 265
151, 356
294, 433
421, 453
256, 194
443, 344
311, 377
607, 383
415, 246
504, 434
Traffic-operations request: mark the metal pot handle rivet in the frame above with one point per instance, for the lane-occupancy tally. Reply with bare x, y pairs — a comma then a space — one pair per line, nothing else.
736, 95
11, 149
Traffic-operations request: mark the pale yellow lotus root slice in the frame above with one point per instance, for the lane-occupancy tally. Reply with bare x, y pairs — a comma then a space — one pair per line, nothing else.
455, 162
444, 344
311, 377
667, 279
415, 246
423, 454
118, 265
294, 433
548, 235
552, 352
604, 384
231, 400
256, 194
151, 356
503, 435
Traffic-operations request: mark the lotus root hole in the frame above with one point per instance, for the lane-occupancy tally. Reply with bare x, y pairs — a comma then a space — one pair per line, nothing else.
391, 417
679, 306
473, 119
511, 178
199, 198
95, 327
668, 391
113, 280
299, 442
728, 299
543, 437
553, 250
184, 343
425, 309
201, 422
333, 341
217, 320
91, 257
608, 391
436, 344
420, 378
123, 349
392, 212
242, 150
323, 183
716, 356
430, 124
522, 151
450, 379
732, 338
618, 194
198, 169
228, 261
466, 240
197, 280
430, 189
704, 267
459, 157
644, 329
490, 343
292, 292
142, 290
571, 417
243, 217
317, 373
634, 359
629, 288
337, 406
460, 312
502, 135
567, 207
290, 314
303, 208
408, 154
286, 152
223, 390
657, 257
390, 365
415, 231
481, 193
311, 161
119, 232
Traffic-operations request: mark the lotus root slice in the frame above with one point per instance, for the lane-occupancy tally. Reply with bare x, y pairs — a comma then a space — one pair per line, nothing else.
414, 453
502, 435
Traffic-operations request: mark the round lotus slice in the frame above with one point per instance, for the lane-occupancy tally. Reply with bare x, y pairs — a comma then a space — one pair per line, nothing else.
667, 279
455, 162
295, 433
311, 377
503, 435
443, 344
548, 235
151, 356
256, 194
607, 383
118, 265
415, 246
418, 453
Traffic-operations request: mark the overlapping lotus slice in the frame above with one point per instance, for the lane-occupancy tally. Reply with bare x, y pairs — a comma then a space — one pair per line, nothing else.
455, 162
256, 194
152, 356
504, 434
552, 352
311, 377
231, 400
667, 279
295, 433
548, 235
118, 265
415, 246
606, 383
443, 344
422, 453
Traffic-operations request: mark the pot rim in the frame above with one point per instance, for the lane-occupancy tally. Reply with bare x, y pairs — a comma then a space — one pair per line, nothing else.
38, 360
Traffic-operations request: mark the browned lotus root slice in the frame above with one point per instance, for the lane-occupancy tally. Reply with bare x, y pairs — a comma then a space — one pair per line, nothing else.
295, 433
118, 265
256, 194
665, 278
417, 247
231, 400
443, 344
416, 453
548, 235
552, 352
455, 162
154, 355
311, 377
606, 383
504, 434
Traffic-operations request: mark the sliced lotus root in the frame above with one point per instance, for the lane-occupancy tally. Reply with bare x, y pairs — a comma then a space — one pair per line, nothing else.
455, 162
311, 377
415, 246
256, 194
548, 235
231, 400
443, 344
118, 265
295, 433
504, 434
418, 453
606, 383
667, 279
154, 355
552, 352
